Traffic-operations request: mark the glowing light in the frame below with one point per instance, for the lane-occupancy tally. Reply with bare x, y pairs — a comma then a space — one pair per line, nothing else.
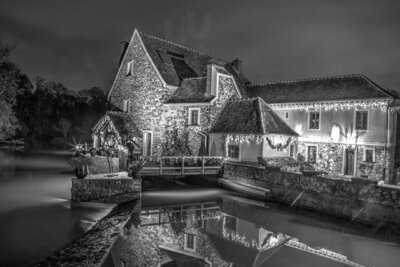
335, 133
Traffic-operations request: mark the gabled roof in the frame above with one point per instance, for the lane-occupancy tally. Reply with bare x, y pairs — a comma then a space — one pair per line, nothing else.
176, 62
122, 122
320, 89
250, 116
191, 90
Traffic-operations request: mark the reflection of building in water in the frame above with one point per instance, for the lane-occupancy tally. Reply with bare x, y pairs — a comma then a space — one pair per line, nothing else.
200, 234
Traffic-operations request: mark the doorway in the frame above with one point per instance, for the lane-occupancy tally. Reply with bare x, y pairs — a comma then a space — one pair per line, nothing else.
147, 143
349, 161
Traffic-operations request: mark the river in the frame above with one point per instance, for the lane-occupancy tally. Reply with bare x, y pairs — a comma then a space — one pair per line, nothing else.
36, 217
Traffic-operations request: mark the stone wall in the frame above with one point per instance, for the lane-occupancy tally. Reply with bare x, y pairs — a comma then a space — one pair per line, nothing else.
147, 94
102, 188
359, 199
330, 159
101, 164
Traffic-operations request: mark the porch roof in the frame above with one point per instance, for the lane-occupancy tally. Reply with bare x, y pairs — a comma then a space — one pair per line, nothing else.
122, 123
250, 116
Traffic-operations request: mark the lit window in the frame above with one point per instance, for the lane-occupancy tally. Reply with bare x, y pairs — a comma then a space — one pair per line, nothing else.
129, 68
361, 120
314, 120
312, 154
126, 105
233, 151
369, 155
190, 242
194, 116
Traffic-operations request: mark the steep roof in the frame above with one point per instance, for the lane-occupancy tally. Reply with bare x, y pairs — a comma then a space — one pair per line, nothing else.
250, 116
191, 90
176, 62
319, 89
123, 123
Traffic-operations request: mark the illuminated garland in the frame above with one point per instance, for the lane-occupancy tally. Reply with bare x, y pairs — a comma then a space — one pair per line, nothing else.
279, 146
274, 141
359, 104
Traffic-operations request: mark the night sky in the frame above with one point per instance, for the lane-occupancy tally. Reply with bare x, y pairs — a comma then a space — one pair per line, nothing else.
78, 43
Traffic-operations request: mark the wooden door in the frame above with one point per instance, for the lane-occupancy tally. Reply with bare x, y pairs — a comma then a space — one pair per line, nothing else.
349, 162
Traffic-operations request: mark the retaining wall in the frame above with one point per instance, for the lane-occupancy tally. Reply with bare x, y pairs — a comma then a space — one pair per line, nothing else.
356, 199
102, 188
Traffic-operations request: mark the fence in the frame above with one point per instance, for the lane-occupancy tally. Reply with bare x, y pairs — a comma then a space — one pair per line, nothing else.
182, 166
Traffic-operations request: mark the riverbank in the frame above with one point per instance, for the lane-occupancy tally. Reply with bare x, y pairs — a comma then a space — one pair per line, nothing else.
357, 200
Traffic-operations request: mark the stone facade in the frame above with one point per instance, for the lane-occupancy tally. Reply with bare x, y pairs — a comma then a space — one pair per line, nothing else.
101, 164
143, 87
105, 189
147, 93
330, 158
357, 199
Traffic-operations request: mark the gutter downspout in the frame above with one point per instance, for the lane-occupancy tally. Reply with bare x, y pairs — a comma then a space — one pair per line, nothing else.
385, 174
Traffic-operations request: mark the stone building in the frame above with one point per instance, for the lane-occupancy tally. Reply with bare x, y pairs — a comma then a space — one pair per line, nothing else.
345, 125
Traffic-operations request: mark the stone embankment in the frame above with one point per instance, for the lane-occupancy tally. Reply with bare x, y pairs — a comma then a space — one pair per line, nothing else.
106, 188
355, 199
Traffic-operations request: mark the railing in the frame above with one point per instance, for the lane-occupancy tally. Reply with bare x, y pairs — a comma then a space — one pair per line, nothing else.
182, 166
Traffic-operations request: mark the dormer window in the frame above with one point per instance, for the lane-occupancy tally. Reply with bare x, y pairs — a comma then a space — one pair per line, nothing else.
126, 105
194, 116
129, 67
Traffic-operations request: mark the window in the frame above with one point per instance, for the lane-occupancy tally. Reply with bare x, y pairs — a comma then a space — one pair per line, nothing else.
126, 105
190, 242
312, 154
286, 115
313, 120
361, 120
230, 223
233, 151
129, 68
194, 116
369, 155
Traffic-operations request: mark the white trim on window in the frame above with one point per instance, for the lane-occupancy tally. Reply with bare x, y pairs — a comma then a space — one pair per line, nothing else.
185, 244
319, 119
316, 151
365, 154
227, 152
145, 142
355, 120
190, 116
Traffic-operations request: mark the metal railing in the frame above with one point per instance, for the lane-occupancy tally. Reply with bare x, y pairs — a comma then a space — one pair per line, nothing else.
182, 165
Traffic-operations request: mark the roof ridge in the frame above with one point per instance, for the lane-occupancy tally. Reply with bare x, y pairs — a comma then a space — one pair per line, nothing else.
308, 79
173, 43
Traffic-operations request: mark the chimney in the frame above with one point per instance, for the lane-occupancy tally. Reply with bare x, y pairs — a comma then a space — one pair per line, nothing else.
237, 64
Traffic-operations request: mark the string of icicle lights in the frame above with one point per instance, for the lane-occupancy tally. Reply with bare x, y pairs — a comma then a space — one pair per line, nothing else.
257, 139
348, 105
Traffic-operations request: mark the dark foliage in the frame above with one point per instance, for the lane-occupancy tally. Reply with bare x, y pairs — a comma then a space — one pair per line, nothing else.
47, 114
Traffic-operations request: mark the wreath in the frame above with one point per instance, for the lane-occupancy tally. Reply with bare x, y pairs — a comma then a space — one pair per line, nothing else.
279, 146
